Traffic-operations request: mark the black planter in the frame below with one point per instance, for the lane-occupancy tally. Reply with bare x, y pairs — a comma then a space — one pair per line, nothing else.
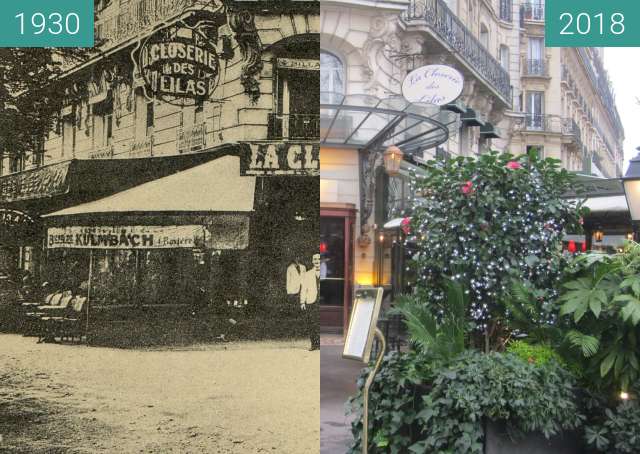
497, 441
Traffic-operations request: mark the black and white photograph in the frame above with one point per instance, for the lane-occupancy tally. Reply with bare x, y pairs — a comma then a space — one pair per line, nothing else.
159, 233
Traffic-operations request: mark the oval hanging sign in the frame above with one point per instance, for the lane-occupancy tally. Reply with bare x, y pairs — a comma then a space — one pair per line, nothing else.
433, 84
179, 65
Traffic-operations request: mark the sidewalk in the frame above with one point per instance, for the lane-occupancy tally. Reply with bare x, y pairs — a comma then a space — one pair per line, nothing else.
337, 383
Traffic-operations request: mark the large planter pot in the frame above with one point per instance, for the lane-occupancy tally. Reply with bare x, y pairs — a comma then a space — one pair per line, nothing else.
497, 441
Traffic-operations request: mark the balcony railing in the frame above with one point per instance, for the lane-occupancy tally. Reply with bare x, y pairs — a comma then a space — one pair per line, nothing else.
506, 10
544, 123
601, 84
535, 67
447, 27
294, 126
532, 10
136, 17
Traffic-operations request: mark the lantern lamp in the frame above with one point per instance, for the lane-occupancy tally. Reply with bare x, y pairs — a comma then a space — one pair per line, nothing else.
598, 235
631, 184
392, 160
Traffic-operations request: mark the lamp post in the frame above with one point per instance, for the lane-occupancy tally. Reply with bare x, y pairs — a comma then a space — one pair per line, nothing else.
631, 184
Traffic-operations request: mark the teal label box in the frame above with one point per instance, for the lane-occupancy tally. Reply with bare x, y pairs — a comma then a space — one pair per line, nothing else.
46, 23
591, 23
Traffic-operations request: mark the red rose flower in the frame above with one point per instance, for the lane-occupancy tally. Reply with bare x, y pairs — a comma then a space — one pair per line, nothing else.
406, 225
467, 188
514, 165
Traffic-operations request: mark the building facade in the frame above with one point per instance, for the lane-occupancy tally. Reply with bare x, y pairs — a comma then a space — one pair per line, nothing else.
184, 98
517, 95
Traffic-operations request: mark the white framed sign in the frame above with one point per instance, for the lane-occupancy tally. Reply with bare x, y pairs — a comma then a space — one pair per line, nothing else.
362, 325
433, 84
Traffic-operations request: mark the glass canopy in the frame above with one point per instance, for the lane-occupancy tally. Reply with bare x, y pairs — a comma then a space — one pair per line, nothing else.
368, 122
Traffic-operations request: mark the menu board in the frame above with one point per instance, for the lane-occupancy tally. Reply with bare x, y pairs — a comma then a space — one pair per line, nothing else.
364, 317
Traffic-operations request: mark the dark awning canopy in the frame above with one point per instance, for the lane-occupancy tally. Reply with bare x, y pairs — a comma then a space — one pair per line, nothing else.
368, 122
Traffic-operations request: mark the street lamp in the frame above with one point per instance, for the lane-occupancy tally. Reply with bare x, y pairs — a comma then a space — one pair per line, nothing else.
631, 184
392, 160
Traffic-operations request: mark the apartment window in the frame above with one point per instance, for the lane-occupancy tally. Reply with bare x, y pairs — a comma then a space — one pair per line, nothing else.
504, 56
151, 117
539, 149
484, 36
332, 76
296, 110
198, 117
535, 57
533, 10
103, 123
506, 10
37, 157
69, 131
535, 110
16, 163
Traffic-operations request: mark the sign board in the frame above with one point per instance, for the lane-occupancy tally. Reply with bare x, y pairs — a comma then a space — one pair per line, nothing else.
46, 181
13, 218
281, 158
362, 325
126, 237
299, 63
179, 64
433, 84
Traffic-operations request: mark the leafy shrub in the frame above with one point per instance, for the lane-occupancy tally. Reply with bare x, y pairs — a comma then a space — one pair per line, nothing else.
534, 354
602, 305
442, 411
486, 221
617, 432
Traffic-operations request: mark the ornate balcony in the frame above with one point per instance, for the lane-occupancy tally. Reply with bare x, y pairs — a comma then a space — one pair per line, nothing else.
535, 68
543, 123
137, 17
294, 127
446, 27
571, 130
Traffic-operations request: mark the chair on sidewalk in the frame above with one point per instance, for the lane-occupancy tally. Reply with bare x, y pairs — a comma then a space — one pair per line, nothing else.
31, 314
72, 325
51, 314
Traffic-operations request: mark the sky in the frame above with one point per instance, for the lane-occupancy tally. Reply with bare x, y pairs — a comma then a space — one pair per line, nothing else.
623, 66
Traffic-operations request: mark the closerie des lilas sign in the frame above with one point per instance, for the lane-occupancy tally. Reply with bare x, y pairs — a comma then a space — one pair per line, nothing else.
179, 64
433, 84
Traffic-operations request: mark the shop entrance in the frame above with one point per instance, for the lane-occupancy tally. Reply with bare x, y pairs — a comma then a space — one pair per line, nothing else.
336, 271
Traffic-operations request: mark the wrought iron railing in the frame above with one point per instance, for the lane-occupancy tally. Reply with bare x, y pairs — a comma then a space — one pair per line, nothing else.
294, 126
506, 10
446, 26
532, 10
535, 67
571, 128
543, 123
135, 17
600, 81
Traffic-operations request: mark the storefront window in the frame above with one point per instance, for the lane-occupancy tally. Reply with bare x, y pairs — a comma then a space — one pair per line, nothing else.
332, 259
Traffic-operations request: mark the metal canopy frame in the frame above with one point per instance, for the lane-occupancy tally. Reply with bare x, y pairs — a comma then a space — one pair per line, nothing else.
415, 126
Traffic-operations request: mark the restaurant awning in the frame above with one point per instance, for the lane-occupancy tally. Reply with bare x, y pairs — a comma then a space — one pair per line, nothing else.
212, 187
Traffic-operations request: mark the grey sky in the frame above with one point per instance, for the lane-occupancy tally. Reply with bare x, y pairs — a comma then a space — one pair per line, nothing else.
623, 65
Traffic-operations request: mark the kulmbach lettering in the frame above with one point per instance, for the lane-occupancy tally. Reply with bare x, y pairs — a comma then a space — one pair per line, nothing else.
126, 237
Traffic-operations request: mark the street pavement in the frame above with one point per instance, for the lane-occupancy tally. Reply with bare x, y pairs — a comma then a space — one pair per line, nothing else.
337, 384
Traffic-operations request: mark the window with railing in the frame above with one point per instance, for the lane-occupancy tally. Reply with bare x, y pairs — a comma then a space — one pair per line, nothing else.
535, 118
506, 10
295, 116
533, 10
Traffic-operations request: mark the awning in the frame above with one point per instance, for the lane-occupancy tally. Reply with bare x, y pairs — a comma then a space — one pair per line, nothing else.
212, 187
617, 203
367, 122
393, 224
